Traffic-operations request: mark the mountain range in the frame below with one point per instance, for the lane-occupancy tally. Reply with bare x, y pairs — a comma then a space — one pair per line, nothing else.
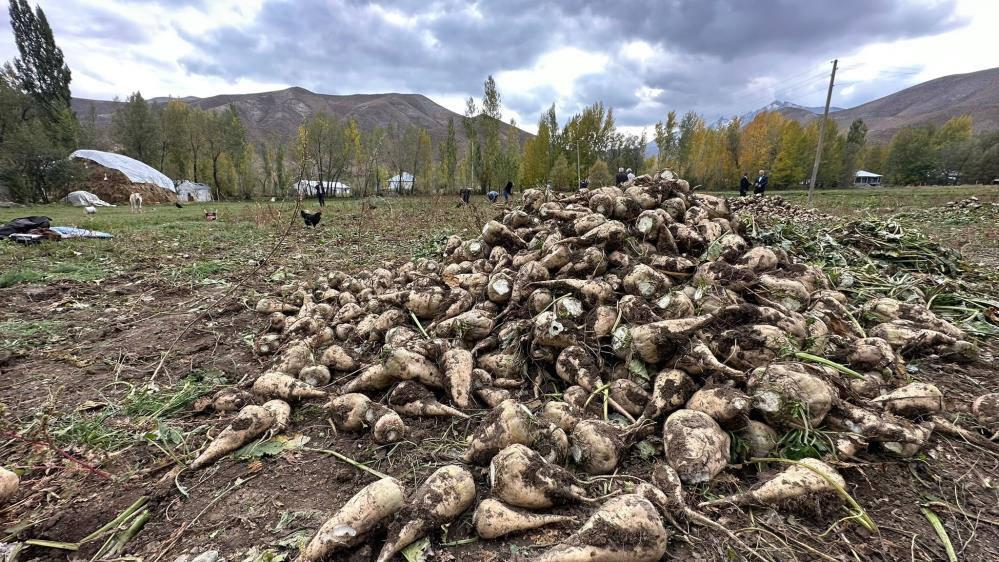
786, 107
278, 114
269, 115
935, 101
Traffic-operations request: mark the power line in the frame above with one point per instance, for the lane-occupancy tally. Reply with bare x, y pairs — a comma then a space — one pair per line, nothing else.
791, 85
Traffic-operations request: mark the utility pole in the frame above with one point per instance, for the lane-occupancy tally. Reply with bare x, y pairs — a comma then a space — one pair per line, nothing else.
822, 135
578, 178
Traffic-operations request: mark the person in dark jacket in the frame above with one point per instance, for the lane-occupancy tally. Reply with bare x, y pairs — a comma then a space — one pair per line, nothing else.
744, 185
761, 183
621, 176
507, 191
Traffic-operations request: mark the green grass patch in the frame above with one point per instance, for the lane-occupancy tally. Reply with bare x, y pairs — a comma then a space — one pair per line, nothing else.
201, 270
13, 277
82, 271
141, 415
17, 334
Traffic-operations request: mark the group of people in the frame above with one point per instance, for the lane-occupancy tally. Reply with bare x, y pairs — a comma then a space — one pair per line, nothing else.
623, 176
759, 186
465, 194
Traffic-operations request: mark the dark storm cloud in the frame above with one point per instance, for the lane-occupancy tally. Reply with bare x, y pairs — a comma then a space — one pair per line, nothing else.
733, 28
717, 51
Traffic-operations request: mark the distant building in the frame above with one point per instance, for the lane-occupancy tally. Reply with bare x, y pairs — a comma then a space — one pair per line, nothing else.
401, 183
190, 192
866, 178
309, 188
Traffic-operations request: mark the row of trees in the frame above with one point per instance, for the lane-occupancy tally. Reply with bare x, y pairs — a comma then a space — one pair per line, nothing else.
947, 154
212, 147
717, 156
187, 142
588, 146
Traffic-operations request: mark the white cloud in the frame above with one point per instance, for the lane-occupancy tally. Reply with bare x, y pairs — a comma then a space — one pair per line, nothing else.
558, 70
393, 17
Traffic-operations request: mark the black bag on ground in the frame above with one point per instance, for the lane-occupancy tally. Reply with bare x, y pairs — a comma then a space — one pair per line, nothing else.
23, 224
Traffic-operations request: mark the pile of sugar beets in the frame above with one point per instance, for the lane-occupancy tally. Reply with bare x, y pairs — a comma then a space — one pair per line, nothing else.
620, 314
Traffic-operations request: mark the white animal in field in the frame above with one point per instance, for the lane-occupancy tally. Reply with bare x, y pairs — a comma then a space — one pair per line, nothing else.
90, 210
135, 203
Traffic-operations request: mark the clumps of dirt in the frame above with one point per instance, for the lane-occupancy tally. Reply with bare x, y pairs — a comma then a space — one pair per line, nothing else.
969, 203
115, 187
957, 211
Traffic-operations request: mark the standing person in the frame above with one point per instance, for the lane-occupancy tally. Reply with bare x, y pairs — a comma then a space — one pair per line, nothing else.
744, 185
621, 177
507, 191
631, 175
761, 183
321, 192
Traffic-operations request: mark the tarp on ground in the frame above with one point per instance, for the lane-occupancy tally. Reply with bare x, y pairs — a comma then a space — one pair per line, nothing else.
73, 232
85, 199
190, 191
135, 171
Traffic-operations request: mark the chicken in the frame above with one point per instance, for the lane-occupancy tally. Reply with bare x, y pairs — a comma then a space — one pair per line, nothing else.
90, 210
312, 219
178, 205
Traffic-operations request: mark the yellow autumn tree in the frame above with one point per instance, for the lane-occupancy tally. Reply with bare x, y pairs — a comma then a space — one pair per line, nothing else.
760, 141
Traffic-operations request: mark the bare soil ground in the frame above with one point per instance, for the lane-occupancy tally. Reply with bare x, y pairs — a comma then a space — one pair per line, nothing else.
86, 323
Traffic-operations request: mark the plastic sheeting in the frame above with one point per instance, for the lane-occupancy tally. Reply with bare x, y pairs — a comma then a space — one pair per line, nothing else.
333, 188
405, 182
73, 232
190, 191
85, 199
135, 171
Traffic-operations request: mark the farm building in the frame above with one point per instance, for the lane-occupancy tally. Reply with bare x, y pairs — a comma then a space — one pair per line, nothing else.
114, 177
189, 191
308, 188
864, 177
401, 183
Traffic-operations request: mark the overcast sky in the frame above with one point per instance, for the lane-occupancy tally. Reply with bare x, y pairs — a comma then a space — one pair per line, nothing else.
718, 57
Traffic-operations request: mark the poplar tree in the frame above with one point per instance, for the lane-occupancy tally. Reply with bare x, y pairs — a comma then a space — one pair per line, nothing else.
449, 158
853, 150
137, 130
41, 70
